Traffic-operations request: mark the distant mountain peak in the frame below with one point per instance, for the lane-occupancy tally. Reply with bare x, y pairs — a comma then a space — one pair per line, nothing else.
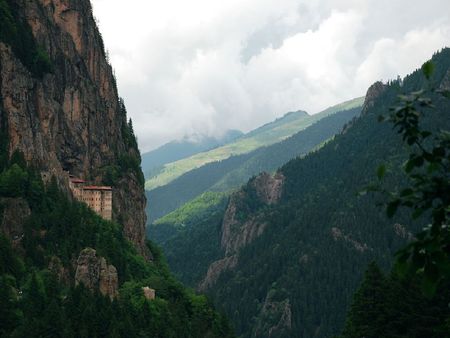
298, 113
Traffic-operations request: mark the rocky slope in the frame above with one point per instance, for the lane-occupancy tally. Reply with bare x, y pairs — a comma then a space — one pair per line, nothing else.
71, 119
238, 232
94, 273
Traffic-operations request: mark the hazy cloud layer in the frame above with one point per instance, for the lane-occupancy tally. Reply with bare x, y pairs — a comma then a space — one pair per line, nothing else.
204, 66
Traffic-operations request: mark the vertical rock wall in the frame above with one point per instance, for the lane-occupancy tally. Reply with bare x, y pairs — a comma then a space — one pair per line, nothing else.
70, 119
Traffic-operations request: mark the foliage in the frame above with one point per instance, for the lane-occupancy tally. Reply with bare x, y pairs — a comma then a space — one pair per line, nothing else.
413, 302
16, 32
428, 169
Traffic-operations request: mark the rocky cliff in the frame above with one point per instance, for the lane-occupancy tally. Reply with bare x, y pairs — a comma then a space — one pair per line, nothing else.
71, 118
238, 230
95, 274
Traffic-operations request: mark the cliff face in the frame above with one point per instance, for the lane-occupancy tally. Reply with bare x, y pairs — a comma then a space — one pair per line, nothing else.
94, 273
238, 231
71, 119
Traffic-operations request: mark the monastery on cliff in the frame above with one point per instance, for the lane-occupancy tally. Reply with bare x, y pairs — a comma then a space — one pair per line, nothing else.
98, 198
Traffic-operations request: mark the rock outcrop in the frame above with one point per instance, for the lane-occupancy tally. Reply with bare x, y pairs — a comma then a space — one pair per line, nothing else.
268, 188
56, 266
215, 270
237, 233
373, 93
71, 119
401, 231
15, 213
338, 234
275, 319
237, 230
95, 274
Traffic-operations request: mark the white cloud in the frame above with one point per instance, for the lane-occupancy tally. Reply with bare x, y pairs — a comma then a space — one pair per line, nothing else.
204, 66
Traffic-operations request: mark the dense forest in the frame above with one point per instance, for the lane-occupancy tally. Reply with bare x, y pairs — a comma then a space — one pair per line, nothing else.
38, 297
297, 278
231, 173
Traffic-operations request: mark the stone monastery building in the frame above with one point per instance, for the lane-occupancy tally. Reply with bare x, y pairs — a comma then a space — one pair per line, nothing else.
98, 198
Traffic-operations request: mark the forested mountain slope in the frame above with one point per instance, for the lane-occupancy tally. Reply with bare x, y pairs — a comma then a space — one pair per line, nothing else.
64, 271
153, 161
293, 247
231, 173
268, 134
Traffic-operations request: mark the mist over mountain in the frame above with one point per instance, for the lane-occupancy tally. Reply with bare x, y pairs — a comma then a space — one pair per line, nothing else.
177, 150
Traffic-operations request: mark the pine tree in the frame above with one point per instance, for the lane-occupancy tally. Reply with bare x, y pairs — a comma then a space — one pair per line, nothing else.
368, 312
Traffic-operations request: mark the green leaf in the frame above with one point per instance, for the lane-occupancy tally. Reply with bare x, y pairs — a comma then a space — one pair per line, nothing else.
414, 161
427, 69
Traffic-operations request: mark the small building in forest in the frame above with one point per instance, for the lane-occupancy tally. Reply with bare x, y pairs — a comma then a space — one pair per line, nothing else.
98, 198
149, 293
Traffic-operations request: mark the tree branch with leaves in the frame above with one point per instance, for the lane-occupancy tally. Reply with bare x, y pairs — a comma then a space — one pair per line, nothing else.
428, 171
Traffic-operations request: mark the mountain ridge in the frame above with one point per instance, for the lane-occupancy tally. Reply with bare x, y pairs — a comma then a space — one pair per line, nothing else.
172, 151
271, 133
229, 174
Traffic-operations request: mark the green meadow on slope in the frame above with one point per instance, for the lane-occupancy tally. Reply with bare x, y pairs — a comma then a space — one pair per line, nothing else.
231, 173
266, 135
153, 161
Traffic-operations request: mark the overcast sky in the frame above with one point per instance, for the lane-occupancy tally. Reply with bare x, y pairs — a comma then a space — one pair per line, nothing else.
204, 66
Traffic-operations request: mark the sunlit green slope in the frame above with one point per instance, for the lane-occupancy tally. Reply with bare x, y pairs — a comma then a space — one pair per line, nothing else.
266, 135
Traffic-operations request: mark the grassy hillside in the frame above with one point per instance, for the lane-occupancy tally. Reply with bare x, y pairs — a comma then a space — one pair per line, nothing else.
153, 161
236, 170
186, 216
268, 134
